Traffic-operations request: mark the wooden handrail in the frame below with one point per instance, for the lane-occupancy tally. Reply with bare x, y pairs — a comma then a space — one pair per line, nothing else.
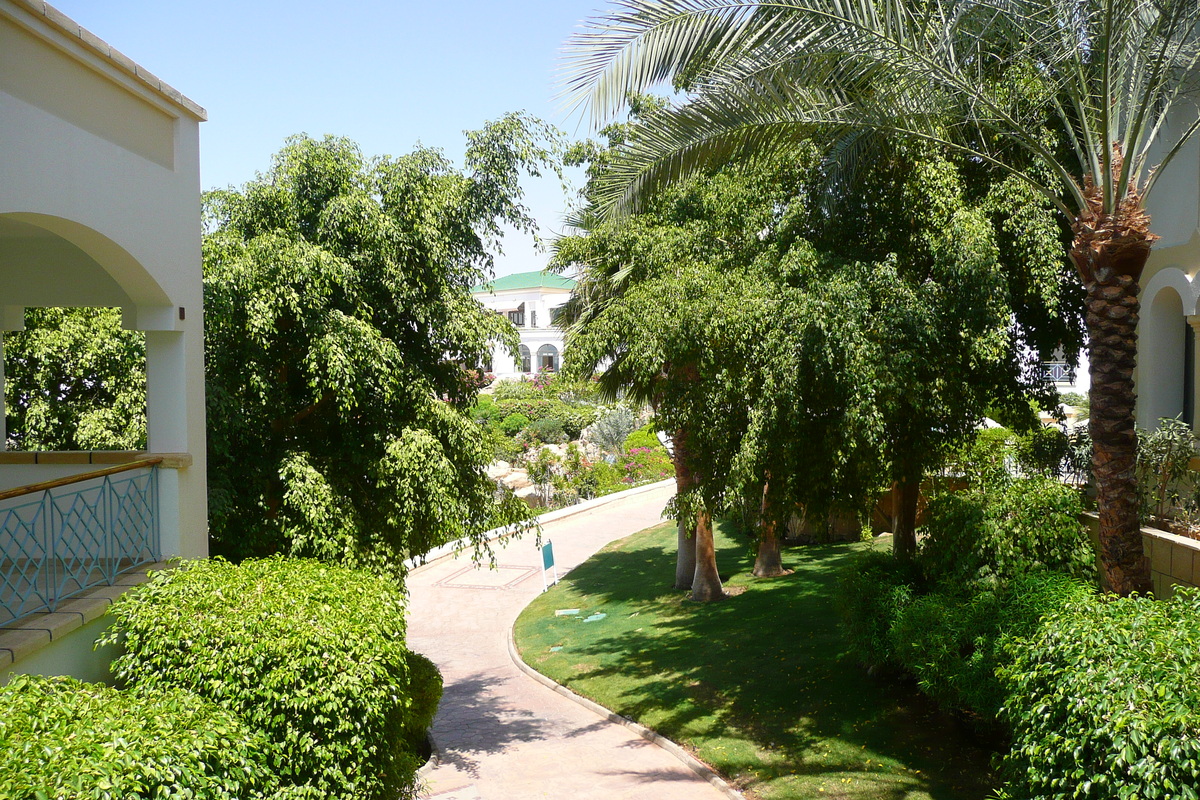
33, 488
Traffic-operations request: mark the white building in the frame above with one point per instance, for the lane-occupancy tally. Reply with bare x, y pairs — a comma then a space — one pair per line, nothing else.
99, 206
529, 300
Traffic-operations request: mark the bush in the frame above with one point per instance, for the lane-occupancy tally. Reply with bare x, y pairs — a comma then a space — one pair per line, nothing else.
515, 390
955, 643
425, 689
311, 654
485, 412
60, 738
644, 437
1106, 702
547, 431
999, 531
513, 424
504, 448
1041, 451
610, 430
574, 418
872, 591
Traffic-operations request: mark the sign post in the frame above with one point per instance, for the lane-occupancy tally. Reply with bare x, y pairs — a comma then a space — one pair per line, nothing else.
548, 563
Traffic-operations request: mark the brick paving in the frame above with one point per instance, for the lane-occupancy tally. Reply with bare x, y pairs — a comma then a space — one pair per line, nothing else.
502, 735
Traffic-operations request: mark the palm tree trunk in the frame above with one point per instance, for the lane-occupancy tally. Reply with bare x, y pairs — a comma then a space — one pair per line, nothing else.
706, 582
1112, 316
1110, 251
769, 562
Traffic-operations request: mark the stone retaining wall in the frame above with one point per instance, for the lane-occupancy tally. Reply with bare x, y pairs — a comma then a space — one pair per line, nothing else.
1174, 560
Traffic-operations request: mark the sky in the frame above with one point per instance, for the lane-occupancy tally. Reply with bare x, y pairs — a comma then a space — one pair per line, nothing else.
388, 75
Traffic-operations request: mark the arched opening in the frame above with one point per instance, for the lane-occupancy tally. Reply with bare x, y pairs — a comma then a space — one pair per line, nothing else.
1165, 371
548, 358
525, 359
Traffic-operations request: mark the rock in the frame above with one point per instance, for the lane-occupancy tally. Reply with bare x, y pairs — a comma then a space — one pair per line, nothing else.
498, 469
517, 479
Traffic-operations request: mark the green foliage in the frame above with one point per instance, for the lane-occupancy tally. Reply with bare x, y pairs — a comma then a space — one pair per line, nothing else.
513, 424
644, 436
992, 534
609, 431
61, 739
548, 430
873, 590
75, 380
485, 412
1164, 476
311, 654
1104, 702
425, 691
338, 311
1041, 451
955, 643
515, 390
574, 417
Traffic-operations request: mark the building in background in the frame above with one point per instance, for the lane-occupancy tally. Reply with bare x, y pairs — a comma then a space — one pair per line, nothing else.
529, 300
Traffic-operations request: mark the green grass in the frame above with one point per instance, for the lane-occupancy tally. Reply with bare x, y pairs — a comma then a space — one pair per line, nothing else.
758, 685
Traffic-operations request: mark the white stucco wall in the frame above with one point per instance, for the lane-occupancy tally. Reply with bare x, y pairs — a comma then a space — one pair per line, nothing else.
540, 305
100, 206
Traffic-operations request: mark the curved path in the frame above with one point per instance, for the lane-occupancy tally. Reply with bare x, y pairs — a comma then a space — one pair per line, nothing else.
502, 735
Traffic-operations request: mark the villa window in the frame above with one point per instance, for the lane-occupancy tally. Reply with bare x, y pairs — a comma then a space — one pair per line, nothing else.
518, 317
533, 318
525, 359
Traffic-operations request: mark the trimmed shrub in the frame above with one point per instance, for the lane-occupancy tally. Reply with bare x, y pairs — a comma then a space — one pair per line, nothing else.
311, 654
954, 643
872, 591
63, 739
515, 390
1106, 702
513, 424
547, 431
425, 689
644, 436
574, 418
997, 532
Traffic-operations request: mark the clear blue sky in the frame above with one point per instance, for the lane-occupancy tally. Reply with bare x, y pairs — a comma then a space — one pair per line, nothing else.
386, 74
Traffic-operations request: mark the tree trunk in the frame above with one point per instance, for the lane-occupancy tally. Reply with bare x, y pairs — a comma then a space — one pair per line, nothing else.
685, 560
706, 583
905, 494
769, 562
1110, 252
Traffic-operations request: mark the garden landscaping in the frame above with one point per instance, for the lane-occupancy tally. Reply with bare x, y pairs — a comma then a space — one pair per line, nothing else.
759, 686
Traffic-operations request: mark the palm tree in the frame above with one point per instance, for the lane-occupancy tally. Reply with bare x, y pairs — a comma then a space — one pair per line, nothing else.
1080, 98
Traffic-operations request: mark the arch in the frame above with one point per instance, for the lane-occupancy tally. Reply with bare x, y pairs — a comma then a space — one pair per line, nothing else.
547, 358
1178, 280
525, 365
92, 265
1163, 373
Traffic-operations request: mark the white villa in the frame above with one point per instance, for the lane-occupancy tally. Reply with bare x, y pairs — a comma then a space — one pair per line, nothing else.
99, 206
529, 300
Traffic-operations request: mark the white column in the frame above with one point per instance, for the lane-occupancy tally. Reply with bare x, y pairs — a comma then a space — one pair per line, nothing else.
166, 393
1194, 322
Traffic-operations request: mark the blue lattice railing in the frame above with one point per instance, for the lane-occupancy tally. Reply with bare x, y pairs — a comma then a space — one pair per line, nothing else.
62, 537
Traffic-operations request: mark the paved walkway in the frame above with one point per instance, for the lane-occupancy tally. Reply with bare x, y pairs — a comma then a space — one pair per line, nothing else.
502, 735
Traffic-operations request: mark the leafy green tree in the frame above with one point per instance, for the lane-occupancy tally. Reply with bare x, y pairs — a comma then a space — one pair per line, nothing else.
339, 319
1077, 98
74, 380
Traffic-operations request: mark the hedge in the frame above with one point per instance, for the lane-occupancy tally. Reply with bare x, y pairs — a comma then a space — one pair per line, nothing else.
311, 654
60, 739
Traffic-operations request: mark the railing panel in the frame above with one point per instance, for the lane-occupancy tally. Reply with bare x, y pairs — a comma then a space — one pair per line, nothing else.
63, 540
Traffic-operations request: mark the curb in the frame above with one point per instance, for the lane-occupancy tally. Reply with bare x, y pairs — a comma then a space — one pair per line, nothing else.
451, 548
691, 762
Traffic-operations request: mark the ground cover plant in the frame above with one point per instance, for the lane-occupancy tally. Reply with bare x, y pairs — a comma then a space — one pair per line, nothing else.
757, 685
310, 654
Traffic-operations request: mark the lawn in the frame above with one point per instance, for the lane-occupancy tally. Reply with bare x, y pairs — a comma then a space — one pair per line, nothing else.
758, 685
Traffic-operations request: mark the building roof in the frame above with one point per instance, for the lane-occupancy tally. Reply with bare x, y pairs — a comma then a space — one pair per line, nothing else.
90, 41
539, 279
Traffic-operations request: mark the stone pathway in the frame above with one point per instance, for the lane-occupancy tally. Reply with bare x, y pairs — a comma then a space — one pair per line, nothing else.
502, 735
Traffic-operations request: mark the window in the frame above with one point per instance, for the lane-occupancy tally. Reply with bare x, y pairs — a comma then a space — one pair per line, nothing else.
548, 357
533, 317
518, 317
525, 366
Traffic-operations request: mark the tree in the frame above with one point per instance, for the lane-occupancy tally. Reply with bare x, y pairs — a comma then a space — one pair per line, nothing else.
340, 328
74, 380
1075, 97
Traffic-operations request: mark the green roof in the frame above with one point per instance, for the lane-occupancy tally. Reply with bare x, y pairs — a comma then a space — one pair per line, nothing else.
526, 280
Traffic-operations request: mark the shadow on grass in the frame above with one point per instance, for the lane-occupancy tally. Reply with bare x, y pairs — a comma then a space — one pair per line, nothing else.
760, 677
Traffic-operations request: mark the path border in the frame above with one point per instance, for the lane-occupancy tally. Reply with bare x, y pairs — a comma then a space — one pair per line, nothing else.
690, 761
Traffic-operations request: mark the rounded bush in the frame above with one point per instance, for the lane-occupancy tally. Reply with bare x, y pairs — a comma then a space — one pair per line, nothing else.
1105, 702
514, 424
62, 739
873, 589
311, 654
425, 689
547, 431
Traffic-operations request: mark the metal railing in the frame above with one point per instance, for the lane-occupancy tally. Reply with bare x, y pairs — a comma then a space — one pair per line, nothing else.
75, 533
